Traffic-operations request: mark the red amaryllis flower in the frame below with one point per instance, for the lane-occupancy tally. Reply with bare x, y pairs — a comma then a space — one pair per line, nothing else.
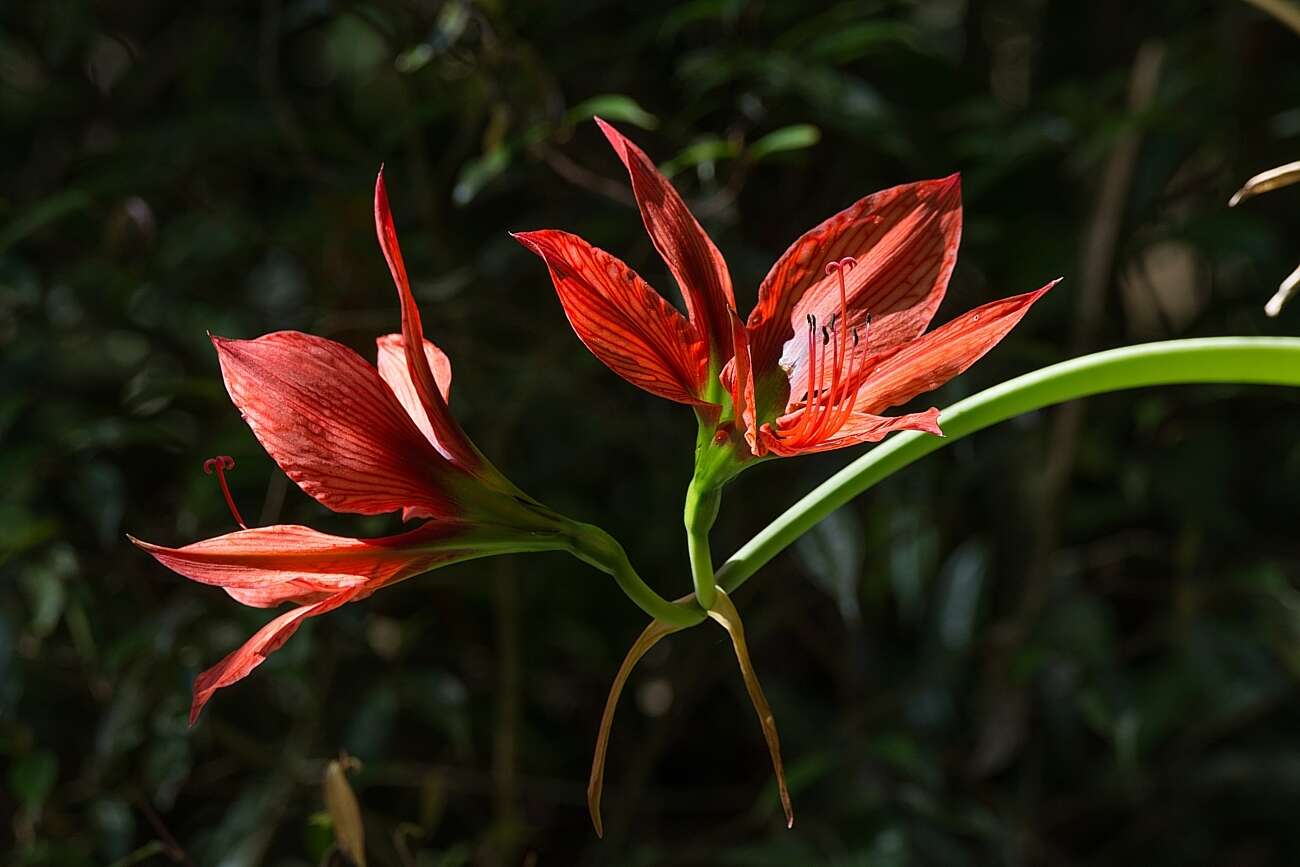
359, 438
838, 334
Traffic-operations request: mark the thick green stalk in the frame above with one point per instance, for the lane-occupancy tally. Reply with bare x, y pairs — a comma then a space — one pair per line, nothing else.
1243, 360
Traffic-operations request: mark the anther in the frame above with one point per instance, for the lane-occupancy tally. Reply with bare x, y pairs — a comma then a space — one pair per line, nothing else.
826, 335
855, 337
219, 465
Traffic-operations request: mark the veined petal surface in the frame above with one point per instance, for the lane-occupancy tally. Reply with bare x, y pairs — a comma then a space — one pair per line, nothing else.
685, 247
332, 424
904, 240
625, 323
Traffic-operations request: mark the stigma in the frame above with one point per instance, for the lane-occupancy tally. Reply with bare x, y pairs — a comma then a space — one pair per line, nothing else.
219, 465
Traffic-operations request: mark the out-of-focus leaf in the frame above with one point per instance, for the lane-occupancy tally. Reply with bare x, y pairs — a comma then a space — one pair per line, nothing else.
478, 173
54, 208
788, 138
31, 777
613, 107
344, 811
833, 553
706, 150
960, 584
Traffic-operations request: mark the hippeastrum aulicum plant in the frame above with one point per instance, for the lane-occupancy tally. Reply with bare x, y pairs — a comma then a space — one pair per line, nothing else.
838, 336
368, 439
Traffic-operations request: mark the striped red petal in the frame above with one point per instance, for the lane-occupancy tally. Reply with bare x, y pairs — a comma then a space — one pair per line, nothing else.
394, 370
450, 440
929, 361
905, 242
268, 566
738, 377
254, 652
859, 428
332, 424
625, 323
688, 251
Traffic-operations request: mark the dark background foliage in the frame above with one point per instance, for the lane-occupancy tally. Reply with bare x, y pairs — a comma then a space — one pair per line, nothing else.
1072, 640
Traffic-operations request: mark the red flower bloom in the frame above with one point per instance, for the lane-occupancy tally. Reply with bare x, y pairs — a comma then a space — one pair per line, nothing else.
838, 334
362, 439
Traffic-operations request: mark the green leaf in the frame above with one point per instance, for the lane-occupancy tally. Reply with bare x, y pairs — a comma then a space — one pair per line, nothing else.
613, 107
478, 173
833, 553
787, 138
706, 150
31, 778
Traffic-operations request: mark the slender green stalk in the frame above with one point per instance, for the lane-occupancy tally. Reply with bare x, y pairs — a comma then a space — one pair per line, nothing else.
700, 512
1243, 360
593, 545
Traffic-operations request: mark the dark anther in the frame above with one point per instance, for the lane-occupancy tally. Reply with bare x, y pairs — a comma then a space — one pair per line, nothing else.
826, 335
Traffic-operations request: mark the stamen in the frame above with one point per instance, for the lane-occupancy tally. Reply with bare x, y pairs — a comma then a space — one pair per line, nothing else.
219, 465
822, 413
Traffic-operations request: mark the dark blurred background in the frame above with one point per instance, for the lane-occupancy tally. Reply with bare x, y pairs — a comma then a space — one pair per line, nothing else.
1073, 639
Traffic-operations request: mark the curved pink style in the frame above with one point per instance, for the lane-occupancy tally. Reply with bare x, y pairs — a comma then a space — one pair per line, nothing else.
839, 331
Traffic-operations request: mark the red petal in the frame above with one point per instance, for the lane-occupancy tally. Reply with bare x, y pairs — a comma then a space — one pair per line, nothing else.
929, 361
698, 267
332, 424
266, 641
625, 323
860, 428
738, 377
267, 566
905, 242
394, 370
448, 436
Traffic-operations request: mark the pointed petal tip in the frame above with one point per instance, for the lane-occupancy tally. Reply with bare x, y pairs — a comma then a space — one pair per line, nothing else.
528, 240
613, 136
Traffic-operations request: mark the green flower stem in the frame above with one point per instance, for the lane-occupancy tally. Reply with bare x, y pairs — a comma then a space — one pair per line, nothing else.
594, 546
1240, 360
700, 513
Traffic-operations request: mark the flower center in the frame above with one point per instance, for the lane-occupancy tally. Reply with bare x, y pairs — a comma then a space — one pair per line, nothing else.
219, 465
832, 368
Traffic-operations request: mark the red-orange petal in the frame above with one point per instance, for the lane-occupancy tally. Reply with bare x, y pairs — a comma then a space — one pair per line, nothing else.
929, 361
450, 440
858, 428
738, 377
394, 370
690, 254
332, 424
268, 566
905, 242
254, 652
625, 323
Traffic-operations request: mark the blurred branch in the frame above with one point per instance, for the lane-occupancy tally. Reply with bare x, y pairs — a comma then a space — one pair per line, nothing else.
1097, 265
585, 178
1283, 10
268, 76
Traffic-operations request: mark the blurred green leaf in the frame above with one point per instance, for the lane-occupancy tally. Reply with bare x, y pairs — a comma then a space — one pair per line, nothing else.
789, 138
612, 107
32, 776
478, 173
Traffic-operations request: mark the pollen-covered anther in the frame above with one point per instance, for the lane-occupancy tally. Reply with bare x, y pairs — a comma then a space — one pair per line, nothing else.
219, 465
